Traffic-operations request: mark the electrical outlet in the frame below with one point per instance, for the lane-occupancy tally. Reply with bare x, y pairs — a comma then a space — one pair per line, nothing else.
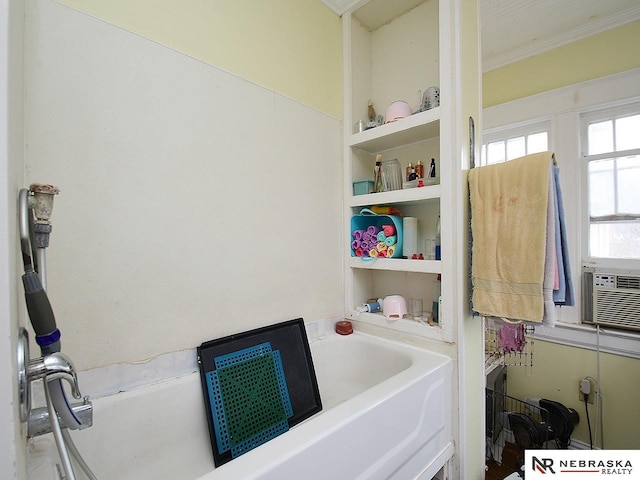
589, 386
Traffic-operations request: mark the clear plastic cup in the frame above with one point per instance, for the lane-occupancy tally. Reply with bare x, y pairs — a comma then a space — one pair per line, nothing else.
391, 175
415, 308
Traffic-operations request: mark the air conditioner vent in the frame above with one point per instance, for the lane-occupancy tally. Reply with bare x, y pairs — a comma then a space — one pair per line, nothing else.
625, 281
616, 300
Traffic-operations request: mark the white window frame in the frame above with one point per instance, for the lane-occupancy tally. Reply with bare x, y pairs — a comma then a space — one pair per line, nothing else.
602, 114
563, 108
513, 131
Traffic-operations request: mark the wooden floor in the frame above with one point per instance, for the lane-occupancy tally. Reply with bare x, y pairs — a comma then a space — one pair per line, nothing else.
512, 458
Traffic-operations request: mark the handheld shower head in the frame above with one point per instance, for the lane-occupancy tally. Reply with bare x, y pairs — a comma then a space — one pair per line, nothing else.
42, 200
41, 203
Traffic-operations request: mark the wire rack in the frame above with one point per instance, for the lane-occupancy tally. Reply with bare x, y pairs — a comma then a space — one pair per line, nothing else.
508, 343
512, 426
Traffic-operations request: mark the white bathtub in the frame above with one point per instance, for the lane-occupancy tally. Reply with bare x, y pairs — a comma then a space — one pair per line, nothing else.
386, 414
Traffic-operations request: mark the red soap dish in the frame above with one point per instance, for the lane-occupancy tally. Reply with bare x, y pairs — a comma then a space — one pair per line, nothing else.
344, 328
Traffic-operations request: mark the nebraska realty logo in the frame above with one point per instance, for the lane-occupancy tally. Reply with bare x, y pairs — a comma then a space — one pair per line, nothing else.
568, 464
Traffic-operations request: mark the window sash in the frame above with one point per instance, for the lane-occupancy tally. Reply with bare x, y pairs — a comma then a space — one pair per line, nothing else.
503, 144
611, 170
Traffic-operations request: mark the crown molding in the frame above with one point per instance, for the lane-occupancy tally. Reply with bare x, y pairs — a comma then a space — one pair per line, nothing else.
341, 6
570, 36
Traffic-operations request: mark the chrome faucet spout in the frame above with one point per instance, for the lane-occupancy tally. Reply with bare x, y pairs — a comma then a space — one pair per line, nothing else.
56, 366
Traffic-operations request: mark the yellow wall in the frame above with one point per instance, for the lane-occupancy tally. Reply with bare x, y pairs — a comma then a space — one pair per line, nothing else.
555, 375
293, 47
557, 368
610, 52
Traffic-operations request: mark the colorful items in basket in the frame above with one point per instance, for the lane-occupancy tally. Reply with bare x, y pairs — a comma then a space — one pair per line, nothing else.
375, 241
376, 235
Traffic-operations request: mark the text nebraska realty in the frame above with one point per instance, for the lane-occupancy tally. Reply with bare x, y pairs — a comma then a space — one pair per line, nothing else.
606, 467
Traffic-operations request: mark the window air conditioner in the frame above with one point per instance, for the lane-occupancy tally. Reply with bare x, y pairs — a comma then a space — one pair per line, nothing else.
616, 300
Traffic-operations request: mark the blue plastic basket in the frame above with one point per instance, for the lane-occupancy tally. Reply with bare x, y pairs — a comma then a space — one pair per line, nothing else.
367, 218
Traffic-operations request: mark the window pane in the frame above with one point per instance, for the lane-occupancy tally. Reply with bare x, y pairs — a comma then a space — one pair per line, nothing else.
600, 137
515, 148
537, 143
601, 188
495, 152
615, 240
628, 171
628, 133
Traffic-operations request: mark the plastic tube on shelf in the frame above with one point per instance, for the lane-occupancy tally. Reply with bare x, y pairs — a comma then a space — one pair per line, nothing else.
409, 236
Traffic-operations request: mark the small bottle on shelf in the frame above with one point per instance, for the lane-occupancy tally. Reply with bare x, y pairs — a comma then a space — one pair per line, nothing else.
438, 239
432, 168
420, 169
377, 182
436, 300
408, 172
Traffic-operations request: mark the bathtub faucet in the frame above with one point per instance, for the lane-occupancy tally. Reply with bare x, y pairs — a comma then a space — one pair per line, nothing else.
56, 366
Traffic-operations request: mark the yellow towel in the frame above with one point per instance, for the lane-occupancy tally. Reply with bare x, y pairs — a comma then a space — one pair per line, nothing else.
509, 228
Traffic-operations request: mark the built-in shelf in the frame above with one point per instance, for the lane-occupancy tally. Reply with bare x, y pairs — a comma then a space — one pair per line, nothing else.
398, 58
409, 195
396, 264
407, 325
416, 128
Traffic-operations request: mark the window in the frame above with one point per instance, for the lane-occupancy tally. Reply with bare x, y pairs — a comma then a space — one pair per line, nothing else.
594, 129
504, 145
611, 150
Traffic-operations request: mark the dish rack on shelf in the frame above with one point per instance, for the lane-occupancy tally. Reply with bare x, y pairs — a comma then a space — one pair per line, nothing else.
508, 343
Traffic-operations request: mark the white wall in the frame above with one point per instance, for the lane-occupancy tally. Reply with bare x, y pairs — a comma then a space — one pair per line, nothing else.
289, 46
12, 448
193, 204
